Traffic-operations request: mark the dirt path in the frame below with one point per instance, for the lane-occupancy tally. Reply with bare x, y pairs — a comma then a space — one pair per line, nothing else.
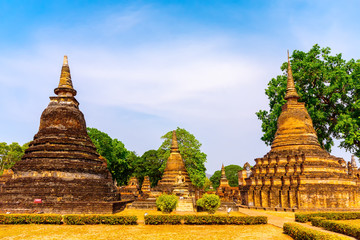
279, 221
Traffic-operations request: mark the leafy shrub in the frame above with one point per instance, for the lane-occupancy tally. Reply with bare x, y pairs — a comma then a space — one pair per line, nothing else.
220, 220
99, 219
344, 228
209, 202
30, 219
166, 203
163, 219
299, 232
306, 217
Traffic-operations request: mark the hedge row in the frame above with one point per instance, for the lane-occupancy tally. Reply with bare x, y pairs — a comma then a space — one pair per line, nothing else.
204, 220
30, 219
163, 219
299, 232
344, 228
67, 219
306, 217
99, 219
220, 220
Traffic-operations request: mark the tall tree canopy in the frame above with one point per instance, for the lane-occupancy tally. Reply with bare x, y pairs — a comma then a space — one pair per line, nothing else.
330, 88
231, 172
10, 154
189, 148
149, 164
119, 159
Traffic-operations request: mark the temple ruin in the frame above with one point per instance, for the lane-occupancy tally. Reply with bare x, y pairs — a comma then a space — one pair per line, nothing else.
61, 172
297, 173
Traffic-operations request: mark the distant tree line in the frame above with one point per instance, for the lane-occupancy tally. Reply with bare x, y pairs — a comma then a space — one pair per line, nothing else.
124, 164
10, 154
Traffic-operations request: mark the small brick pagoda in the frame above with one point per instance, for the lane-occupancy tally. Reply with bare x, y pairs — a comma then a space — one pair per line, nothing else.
146, 186
297, 173
131, 191
175, 178
225, 191
61, 172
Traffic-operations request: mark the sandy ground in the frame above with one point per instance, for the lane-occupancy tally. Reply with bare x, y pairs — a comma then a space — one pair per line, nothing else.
140, 231
143, 232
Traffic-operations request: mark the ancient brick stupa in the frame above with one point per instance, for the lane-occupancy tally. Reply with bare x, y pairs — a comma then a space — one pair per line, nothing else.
224, 183
175, 178
225, 191
61, 172
297, 173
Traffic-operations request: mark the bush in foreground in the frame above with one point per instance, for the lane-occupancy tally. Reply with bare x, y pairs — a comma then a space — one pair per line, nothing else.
74, 219
344, 228
222, 220
204, 220
209, 202
299, 232
163, 219
30, 219
166, 203
99, 219
306, 217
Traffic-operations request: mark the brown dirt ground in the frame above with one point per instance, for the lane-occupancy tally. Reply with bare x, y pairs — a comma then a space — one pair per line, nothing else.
141, 231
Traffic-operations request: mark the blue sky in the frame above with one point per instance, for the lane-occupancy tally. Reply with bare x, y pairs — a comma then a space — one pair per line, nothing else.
142, 68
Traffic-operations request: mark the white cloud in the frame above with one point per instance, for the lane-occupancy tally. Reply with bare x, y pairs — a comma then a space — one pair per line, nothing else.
211, 85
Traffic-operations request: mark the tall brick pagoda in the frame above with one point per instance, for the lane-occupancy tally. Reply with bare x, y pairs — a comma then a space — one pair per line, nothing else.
175, 174
297, 173
61, 172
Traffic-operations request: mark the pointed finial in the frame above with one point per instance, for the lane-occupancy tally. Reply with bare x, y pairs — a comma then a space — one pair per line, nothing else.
290, 89
65, 87
174, 143
65, 62
223, 171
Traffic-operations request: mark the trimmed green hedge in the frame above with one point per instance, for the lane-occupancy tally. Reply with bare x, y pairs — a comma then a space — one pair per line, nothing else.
204, 220
299, 232
163, 219
331, 225
30, 219
67, 219
220, 220
99, 219
306, 217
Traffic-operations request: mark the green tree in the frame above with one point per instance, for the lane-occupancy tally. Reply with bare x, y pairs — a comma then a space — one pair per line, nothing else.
207, 184
149, 164
189, 148
119, 159
231, 172
330, 88
10, 154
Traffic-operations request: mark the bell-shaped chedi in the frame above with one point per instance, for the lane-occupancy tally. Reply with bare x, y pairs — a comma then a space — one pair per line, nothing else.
295, 129
175, 173
61, 172
223, 180
297, 173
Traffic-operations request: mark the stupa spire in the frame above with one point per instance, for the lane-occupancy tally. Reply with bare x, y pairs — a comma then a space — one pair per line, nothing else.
65, 87
174, 144
223, 171
290, 89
